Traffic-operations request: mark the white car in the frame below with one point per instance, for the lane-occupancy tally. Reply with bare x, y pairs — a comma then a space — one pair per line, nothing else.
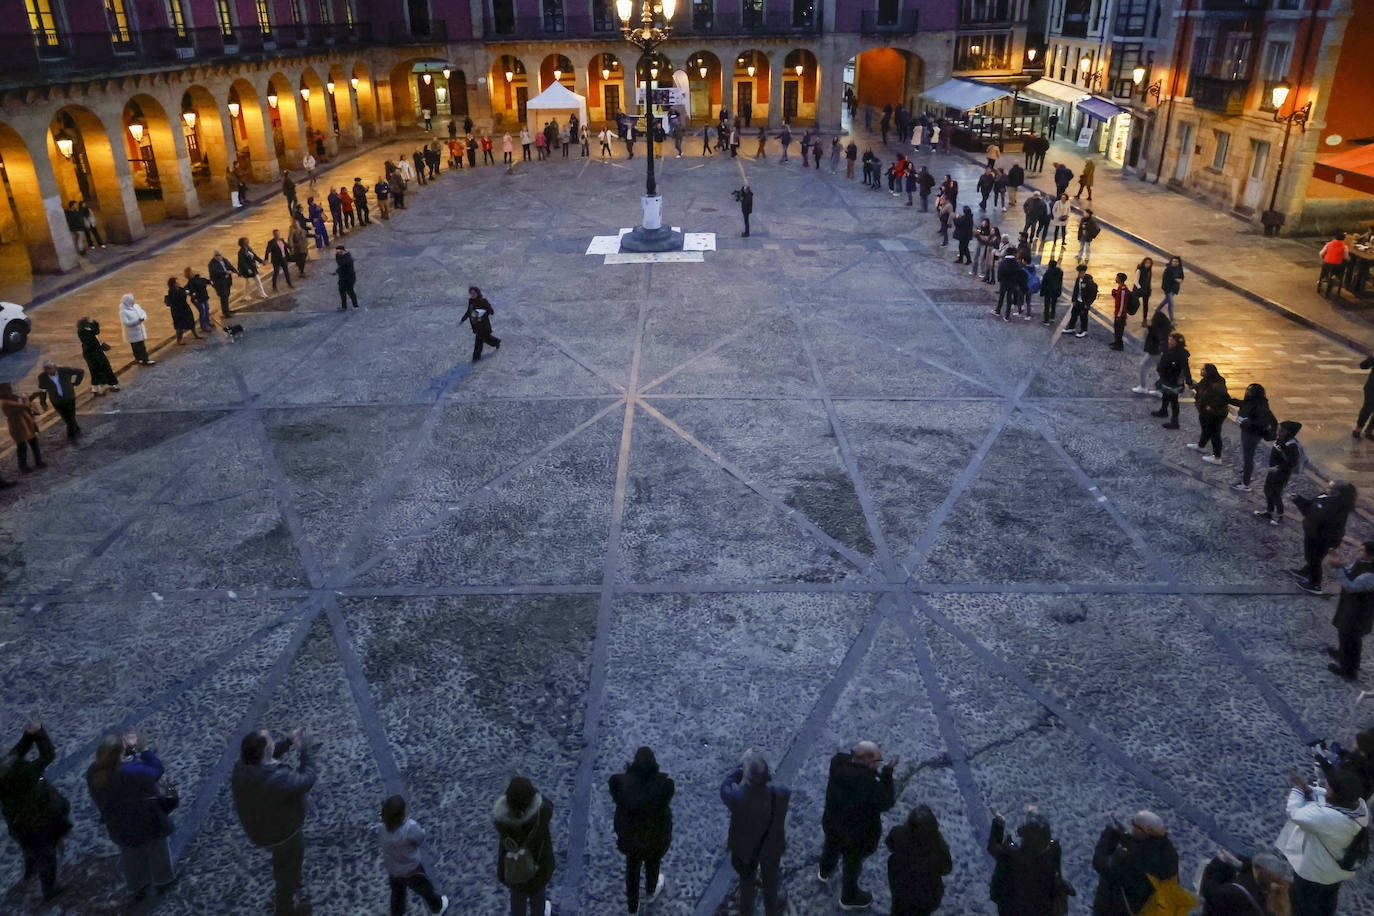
14, 327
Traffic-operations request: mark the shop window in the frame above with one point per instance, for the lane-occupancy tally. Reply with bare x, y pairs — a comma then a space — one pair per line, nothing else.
1222, 141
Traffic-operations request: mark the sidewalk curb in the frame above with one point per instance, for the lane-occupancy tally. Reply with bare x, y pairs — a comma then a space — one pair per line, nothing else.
1264, 302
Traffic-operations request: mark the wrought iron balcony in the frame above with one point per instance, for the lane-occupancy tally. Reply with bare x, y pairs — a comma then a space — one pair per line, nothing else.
905, 22
419, 31
1223, 95
1233, 6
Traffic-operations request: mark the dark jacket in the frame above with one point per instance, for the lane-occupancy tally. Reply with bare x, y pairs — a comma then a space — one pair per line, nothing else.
1157, 337
69, 378
248, 262
1027, 873
753, 830
1085, 290
278, 252
1173, 370
1009, 272
35, 812
1062, 177
102, 373
221, 273
746, 200
74, 221
529, 828
480, 324
1285, 453
270, 798
643, 817
1123, 861
344, 269
1016, 176
1052, 282
127, 802
359, 194
985, 183
925, 181
183, 319
1355, 608
855, 798
963, 227
1144, 279
1172, 279
198, 288
916, 870
1210, 396
1324, 518
1229, 891
1255, 415
1088, 229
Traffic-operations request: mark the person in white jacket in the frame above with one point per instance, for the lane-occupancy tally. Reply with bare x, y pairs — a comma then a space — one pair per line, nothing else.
1322, 824
134, 320
1059, 215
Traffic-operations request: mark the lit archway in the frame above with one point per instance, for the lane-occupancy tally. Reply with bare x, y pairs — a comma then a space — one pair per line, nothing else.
557, 68
205, 126
365, 98
252, 157
343, 112
605, 87
800, 79
510, 90
704, 78
751, 77
287, 124
33, 236
888, 76
317, 115
83, 157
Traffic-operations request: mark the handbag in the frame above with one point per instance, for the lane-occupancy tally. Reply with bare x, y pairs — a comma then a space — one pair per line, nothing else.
167, 797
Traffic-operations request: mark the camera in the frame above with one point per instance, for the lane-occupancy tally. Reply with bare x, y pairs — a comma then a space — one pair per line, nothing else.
737, 194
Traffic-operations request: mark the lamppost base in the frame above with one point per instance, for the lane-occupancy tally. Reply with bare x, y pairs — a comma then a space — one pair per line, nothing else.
640, 239
1273, 221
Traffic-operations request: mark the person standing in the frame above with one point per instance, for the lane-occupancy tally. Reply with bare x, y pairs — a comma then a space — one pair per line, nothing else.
183, 319
1233, 886
1088, 229
23, 429
757, 836
336, 216
298, 244
1367, 406
123, 783
924, 183
134, 321
248, 261
1354, 610
222, 275
198, 290
1016, 176
1174, 376
963, 234
1323, 528
88, 225
1211, 399
1121, 311
525, 143
35, 812
858, 792
93, 351
470, 145
309, 163
400, 841
1285, 457
478, 317
1257, 424
918, 862
383, 192
1322, 825
360, 202
1051, 288
522, 817
316, 213
745, 196
1085, 179
60, 384
288, 191
75, 226
1082, 297
1156, 339
489, 159
643, 823
1026, 880
1052, 124
344, 270
885, 124
1126, 858
270, 801
1034, 208
1059, 220
507, 150
851, 154
1144, 279
279, 256
785, 139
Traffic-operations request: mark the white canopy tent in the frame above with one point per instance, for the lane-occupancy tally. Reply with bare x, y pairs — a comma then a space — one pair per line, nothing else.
558, 102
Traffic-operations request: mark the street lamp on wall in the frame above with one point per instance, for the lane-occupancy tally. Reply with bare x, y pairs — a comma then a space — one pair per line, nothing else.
234, 110
190, 118
305, 93
510, 75
750, 69
605, 73
1030, 54
447, 72
65, 144
329, 87
354, 81
428, 79
136, 129
799, 68
272, 99
1272, 218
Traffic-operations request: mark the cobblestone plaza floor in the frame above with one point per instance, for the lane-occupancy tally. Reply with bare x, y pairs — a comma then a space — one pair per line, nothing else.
805, 492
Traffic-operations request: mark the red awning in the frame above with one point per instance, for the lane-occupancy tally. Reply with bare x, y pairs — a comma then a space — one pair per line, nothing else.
1352, 169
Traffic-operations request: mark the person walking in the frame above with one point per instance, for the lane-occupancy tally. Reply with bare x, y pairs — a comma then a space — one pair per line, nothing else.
1016, 176
1144, 278
198, 291
1156, 339
1051, 288
1062, 177
1121, 311
858, 792
60, 385
1324, 519
1354, 616
524, 852
93, 349
360, 202
222, 275
1171, 283
35, 812
1174, 376
851, 155
1034, 208
1081, 298
745, 196
986, 181
248, 266
963, 234
1126, 858
270, 801
999, 191
1088, 229
183, 319
757, 836
22, 426
1322, 826
525, 141
478, 317
1085, 179
1367, 405
1059, 220
1026, 880
298, 247
279, 256
89, 227
288, 191
643, 823
123, 783
336, 217
918, 861
347, 276
134, 321
1285, 457
382, 191
1211, 399
1257, 424
400, 840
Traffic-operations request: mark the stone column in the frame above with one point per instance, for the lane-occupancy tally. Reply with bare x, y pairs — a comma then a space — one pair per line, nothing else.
727, 84
381, 97
829, 87
774, 90
174, 170
257, 122
214, 125
113, 183
39, 207
350, 133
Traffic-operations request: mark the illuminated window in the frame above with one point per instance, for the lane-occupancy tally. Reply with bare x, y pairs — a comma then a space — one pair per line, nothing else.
326, 11
224, 17
348, 12
265, 17
118, 18
43, 23
176, 17
297, 11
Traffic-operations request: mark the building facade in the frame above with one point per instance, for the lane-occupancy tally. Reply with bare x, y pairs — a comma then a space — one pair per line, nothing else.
146, 110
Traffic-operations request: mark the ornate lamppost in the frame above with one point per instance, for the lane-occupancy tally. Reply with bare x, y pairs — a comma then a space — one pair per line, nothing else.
1272, 218
652, 31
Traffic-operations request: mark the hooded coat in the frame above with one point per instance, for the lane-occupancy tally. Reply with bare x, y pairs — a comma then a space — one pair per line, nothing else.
1027, 873
1210, 395
530, 828
35, 812
916, 868
855, 798
1157, 337
134, 320
94, 352
643, 818
1254, 414
1324, 517
1124, 861
1173, 277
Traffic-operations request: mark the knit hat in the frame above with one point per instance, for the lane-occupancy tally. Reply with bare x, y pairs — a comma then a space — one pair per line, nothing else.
520, 793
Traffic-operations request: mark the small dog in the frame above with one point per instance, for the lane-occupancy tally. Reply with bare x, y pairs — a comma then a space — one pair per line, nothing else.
235, 331
38, 403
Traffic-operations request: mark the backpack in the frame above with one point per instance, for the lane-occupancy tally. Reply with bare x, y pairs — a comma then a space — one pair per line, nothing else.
1091, 231
1032, 280
1169, 899
1356, 852
519, 865
1132, 302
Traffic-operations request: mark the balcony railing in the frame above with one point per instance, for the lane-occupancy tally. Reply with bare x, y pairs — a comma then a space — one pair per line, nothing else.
76, 53
536, 28
906, 22
975, 62
1223, 95
419, 31
1233, 6
722, 23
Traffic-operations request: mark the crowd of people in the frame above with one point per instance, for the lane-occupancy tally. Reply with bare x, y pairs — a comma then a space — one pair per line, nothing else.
1324, 841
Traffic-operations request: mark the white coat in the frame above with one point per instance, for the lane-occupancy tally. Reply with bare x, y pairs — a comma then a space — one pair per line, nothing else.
132, 316
1061, 212
1317, 835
